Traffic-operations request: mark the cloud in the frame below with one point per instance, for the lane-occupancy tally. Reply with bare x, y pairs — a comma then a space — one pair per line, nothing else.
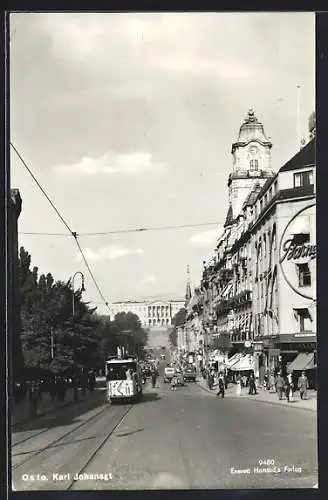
206, 238
109, 252
112, 163
148, 279
181, 43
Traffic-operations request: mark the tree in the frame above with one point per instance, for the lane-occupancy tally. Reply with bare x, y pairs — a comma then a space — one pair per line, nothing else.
180, 317
129, 333
178, 320
52, 340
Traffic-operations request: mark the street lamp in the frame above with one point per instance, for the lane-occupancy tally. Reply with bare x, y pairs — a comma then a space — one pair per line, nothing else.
82, 290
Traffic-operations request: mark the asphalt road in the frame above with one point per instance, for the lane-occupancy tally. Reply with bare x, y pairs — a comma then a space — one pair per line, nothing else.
186, 439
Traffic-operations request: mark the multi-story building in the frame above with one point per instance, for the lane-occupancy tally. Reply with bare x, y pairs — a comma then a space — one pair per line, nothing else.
259, 288
193, 329
284, 243
152, 314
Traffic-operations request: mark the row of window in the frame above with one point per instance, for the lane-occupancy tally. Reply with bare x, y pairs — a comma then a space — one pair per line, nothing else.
158, 321
303, 274
300, 179
254, 165
266, 198
158, 310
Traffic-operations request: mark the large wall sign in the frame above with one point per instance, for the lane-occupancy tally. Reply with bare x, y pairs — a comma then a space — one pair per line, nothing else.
291, 252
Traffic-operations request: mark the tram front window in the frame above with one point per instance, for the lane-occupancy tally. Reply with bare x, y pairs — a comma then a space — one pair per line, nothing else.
119, 371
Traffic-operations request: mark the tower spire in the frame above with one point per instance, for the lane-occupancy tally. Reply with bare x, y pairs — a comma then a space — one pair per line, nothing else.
188, 288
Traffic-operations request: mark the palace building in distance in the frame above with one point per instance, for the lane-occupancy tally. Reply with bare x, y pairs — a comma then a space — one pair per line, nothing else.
153, 314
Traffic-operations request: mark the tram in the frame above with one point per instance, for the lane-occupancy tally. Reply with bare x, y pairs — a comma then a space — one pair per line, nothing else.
123, 380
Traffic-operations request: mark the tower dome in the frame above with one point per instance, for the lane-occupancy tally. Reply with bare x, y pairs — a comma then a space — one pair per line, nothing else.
251, 130
251, 156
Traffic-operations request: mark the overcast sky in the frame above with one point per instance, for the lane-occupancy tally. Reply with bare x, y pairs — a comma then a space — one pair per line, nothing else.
127, 120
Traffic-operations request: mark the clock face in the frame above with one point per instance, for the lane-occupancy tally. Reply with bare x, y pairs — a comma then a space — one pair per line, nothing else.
253, 150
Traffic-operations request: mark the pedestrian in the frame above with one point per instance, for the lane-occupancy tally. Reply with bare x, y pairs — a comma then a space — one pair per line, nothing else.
303, 385
153, 378
289, 388
209, 379
251, 383
266, 381
238, 387
174, 382
280, 384
92, 380
221, 386
225, 378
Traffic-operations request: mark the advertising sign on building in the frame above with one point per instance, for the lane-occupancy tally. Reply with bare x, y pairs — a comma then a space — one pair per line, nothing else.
298, 252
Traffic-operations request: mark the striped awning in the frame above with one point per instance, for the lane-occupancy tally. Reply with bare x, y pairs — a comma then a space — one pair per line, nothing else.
234, 359
244, 364
303, 361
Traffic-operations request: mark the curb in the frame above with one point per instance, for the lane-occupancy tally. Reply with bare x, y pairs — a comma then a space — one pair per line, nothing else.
277, 404
44, 413
259, 400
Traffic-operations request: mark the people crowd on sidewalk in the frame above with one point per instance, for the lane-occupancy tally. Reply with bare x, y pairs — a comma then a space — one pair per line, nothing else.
283, 384
32, 391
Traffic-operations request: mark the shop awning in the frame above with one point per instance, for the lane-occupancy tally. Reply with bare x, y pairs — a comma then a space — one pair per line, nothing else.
303, 361
234, 359
244, 364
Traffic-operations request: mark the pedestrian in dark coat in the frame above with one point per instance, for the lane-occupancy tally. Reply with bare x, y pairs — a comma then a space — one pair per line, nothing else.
91, 380
221, 386
251, 383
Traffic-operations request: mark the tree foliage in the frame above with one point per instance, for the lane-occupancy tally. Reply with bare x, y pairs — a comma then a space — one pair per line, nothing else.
177, 321
125, 330
55, 342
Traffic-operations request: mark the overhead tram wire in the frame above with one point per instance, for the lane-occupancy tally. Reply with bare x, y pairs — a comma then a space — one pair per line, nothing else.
133, 230
72, 233
41, 188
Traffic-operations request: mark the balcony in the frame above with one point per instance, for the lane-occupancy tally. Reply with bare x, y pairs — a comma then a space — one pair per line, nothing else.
235, 302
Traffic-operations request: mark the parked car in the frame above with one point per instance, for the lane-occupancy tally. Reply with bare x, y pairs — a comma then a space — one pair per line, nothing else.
190, 374
169, 372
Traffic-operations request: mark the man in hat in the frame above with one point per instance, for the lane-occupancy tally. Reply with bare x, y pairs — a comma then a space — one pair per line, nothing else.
303, 385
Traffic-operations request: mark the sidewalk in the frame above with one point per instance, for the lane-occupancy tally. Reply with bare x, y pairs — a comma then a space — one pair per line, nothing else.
20, 413
266, 397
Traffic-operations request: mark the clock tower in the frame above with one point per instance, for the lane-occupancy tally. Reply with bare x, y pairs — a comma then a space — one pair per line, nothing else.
251, 155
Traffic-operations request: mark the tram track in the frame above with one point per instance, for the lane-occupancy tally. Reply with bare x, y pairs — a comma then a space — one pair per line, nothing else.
20, 427
57, 440
93, 454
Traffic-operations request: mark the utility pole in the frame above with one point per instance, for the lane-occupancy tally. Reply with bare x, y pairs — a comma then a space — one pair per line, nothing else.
52, 344
82, 290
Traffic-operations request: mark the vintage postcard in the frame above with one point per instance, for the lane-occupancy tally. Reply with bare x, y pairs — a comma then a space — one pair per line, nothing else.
162, 246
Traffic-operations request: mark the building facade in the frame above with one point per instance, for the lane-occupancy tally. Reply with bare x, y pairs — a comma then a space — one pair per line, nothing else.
15, 326
258, 290
152, 314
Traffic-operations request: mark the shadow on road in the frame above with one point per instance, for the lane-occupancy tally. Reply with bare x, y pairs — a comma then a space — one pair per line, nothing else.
67, 443
150, 396
65, 415
124, 434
